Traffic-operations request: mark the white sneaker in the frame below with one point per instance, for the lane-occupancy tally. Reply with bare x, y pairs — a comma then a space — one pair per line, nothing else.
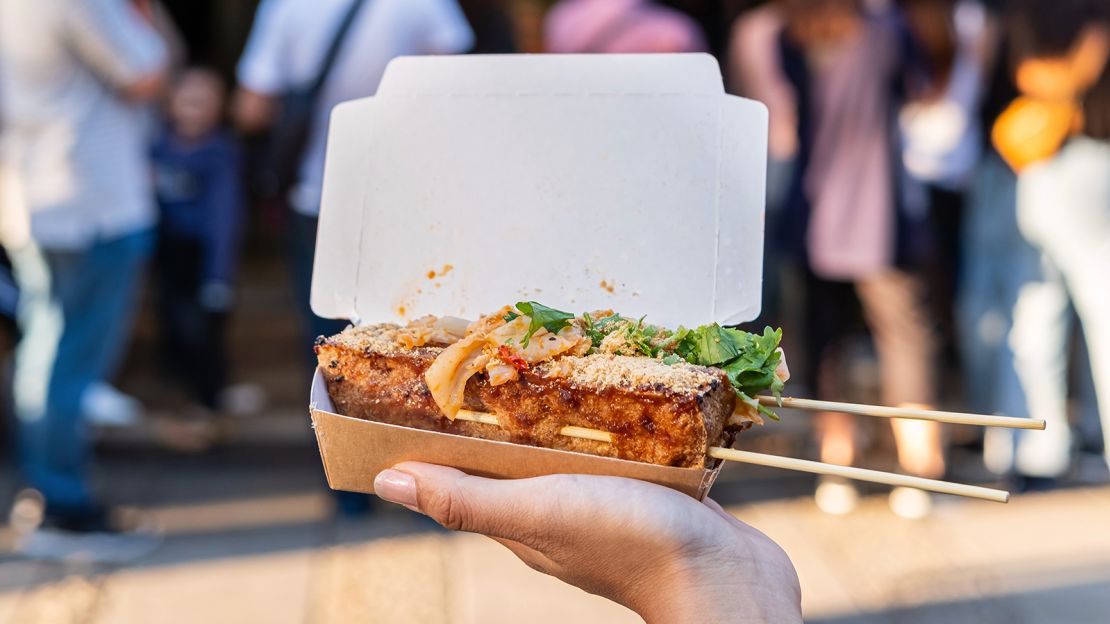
104, 406
88, 548
243, 399
910, 503
836, 496
27, 512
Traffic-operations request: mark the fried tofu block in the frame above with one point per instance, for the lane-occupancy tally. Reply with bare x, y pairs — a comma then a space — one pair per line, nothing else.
655, 412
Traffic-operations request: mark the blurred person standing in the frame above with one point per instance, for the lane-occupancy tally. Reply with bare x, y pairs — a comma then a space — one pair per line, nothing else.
620, 26
302, 58
846, 220
77, 220
1056, 135
197, 180
306, 56
754, 72
941, 138
996, 261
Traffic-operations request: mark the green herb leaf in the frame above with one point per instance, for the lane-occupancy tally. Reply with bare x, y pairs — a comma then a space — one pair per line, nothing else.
510, 316
710, 345
597, 330
672, 359
542, 316
749, 360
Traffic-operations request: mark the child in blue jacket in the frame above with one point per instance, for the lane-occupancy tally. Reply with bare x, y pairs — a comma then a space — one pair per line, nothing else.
198, 181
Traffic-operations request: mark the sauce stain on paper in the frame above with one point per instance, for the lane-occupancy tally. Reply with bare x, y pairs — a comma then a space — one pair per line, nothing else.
447, 268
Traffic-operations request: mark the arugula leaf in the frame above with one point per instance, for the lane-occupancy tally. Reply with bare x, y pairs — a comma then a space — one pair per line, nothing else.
749, 360
539, 316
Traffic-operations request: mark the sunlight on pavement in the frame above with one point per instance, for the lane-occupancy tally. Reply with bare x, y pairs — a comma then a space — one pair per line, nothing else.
236, 514
1040, 558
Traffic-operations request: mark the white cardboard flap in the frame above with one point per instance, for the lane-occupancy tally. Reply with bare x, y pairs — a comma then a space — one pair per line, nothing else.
472, 182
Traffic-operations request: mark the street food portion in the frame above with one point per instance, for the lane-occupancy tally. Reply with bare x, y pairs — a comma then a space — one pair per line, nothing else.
665, 396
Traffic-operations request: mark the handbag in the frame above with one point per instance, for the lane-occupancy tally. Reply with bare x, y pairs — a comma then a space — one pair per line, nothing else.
1033, 129
293, 127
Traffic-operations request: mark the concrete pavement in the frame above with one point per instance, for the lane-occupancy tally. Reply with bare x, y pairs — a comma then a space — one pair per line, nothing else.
1043, 558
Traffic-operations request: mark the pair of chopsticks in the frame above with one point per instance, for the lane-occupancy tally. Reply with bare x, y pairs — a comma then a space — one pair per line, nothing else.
847, 472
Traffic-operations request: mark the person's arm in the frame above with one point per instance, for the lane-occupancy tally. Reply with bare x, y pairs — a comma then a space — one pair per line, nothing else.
445, 29
263, 70
252, 111
120, 46
656, 551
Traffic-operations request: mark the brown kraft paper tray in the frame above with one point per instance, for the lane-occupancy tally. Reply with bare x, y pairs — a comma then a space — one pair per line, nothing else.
354, 451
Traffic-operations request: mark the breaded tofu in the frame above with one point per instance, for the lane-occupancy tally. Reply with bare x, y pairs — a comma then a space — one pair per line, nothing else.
667, 414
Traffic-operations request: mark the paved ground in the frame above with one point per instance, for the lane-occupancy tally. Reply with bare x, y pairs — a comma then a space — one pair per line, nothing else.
280, 558
250, 537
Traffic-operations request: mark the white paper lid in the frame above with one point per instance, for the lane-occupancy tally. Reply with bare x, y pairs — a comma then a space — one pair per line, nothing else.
629, 182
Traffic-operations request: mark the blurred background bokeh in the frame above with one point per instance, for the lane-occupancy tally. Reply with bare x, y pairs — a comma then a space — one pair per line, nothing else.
938, 234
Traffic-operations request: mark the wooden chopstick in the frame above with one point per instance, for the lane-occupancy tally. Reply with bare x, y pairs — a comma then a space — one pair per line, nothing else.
860, 474
881, 411
790, 463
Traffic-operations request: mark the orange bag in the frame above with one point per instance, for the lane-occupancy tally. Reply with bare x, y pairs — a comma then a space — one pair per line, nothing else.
1033, 129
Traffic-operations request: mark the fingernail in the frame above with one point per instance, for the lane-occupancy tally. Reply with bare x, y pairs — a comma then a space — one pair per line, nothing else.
396, 487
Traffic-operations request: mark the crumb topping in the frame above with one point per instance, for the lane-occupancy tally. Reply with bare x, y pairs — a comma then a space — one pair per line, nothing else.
605, 370
383, 338
595, 371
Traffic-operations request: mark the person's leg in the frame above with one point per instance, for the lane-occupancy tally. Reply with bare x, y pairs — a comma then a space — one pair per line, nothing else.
112, 283
302, 244
194, 334
1039, 338
827, 322
92, 292
172, 298
303, 251
895, 314
50, 440
987, 286
829, 308
211, 357
1023, 266
1075, 234
946, 209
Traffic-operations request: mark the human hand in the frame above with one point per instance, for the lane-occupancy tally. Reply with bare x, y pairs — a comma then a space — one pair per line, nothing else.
656, 551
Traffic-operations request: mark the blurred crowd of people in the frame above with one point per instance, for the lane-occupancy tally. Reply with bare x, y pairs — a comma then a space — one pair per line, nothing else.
939, 179
938, 163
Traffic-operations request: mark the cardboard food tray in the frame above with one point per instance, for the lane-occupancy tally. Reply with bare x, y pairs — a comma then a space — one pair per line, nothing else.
354, 451
629, 182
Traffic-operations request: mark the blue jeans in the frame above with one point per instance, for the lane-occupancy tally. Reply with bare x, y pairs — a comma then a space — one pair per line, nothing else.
75, 312
997, 263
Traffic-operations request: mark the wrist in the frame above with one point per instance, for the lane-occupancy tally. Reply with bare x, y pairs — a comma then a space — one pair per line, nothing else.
738, 582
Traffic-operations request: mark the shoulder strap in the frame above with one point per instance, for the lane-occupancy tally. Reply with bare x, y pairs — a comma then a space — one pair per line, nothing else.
336, 45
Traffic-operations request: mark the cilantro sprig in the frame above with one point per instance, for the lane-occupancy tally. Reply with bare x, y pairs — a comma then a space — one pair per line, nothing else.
539, 316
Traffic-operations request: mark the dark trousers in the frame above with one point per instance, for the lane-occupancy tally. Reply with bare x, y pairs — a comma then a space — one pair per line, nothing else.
302, 247
193, 346
302, 242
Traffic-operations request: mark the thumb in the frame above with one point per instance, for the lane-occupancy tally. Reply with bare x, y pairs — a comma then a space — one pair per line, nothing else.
508, 509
